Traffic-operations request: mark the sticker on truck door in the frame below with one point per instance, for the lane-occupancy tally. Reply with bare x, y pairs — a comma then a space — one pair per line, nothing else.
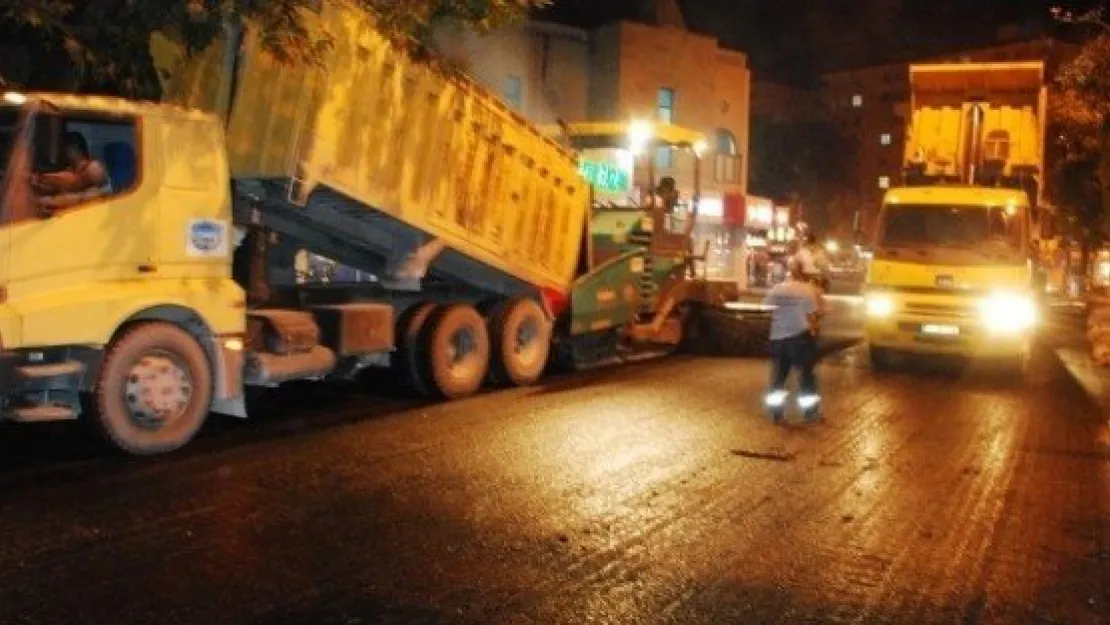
206, 238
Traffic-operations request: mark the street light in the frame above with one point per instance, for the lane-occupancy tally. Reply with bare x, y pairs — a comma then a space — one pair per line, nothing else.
639, 134
832, 247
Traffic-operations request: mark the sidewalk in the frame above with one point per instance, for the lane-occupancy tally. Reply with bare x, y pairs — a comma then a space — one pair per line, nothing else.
1074, 353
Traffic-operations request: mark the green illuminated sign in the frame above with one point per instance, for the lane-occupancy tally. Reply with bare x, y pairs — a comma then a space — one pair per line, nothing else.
604, 176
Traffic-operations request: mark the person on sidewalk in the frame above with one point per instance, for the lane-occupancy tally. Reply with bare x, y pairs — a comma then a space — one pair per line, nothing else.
798, 306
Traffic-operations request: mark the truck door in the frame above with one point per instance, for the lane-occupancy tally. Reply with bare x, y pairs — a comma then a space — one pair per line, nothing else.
71, 252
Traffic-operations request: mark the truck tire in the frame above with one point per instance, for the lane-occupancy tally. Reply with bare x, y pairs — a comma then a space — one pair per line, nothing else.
154, 390
409, 362
520, 342
456, 351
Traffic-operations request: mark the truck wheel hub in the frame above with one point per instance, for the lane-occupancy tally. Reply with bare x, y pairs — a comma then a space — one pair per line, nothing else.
158, 390
526, 336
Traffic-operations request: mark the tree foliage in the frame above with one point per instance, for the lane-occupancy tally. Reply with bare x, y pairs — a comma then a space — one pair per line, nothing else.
807, 163
1080, 123
103, 45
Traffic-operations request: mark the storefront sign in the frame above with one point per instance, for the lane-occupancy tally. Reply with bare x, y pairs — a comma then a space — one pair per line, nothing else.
759, 213
604, 176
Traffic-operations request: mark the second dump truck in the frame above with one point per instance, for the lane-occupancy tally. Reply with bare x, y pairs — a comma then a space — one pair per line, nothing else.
953, 271
171, 291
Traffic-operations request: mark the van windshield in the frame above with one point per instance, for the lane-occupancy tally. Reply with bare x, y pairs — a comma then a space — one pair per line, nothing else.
993, 231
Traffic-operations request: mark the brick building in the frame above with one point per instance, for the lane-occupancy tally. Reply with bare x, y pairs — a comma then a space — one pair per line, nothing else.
650, 68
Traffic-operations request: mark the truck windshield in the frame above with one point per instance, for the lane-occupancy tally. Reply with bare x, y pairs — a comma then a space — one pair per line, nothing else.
994, 231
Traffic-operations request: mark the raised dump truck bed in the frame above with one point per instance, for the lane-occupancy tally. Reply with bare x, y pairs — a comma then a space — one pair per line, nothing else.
369, 154
977, 123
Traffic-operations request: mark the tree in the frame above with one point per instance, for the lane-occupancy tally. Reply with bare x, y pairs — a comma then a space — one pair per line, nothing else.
103, 45
809, 164
1080, 115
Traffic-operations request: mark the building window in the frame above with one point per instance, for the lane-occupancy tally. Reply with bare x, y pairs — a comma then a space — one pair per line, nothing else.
857, 101
664, 158
726, 164
513, 91
884, 139
884, 182
666, 105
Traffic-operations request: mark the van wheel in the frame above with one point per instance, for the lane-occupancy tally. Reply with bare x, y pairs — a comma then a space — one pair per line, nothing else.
520, 338
154, 391
456, 349
881, 359
1016, 369
409, 360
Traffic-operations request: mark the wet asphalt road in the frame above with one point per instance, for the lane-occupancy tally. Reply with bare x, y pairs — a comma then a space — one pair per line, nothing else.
649, 493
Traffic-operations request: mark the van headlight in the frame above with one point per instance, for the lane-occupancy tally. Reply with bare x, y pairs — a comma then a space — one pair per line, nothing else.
1008, 313
879, 305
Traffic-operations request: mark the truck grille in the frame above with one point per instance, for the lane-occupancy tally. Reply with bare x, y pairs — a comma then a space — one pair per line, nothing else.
961, 311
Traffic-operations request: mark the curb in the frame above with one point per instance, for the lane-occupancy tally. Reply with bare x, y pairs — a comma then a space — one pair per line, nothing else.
1092, 378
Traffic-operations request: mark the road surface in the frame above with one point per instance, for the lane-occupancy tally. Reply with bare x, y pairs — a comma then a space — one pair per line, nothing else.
650, 493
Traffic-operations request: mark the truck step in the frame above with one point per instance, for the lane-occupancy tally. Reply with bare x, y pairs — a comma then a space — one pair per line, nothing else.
42, 414
282, 332
53, 370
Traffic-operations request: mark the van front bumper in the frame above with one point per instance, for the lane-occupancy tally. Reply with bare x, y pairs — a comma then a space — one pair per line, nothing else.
941, 336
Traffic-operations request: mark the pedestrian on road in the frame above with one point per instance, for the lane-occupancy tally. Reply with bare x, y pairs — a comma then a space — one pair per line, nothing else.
814, 262
798, 306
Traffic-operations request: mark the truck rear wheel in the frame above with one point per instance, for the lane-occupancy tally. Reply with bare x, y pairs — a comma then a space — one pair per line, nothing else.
410, 364
154, 390
520, 337
456, 350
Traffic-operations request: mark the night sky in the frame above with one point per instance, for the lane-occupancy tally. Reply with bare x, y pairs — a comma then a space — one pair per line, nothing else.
795, 40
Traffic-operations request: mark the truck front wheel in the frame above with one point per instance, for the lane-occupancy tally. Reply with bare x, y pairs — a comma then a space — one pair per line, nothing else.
154, 390
456, 344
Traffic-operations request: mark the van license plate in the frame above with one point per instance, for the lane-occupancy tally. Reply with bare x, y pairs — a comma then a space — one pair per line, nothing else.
940, 330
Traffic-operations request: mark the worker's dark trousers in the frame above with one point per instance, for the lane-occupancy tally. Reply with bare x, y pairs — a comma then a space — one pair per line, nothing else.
800, 352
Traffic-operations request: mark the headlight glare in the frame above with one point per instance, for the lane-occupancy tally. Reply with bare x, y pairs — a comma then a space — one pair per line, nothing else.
878, 305
1007, 313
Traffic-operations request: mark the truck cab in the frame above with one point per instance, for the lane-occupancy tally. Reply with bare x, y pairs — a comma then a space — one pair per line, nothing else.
951, 274
87, 275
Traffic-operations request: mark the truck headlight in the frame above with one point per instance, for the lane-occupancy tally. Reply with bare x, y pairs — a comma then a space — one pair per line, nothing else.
878, 305
1008, 313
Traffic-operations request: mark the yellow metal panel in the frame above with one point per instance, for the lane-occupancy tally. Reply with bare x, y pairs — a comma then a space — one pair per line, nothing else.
91, 312
661, 133
430, 148
1025, 76
959, 195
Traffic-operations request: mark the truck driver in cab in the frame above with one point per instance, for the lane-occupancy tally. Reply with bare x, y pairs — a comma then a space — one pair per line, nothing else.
83, 177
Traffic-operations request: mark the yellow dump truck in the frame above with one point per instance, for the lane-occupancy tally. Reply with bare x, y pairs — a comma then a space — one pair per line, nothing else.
954, 253
165, 289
